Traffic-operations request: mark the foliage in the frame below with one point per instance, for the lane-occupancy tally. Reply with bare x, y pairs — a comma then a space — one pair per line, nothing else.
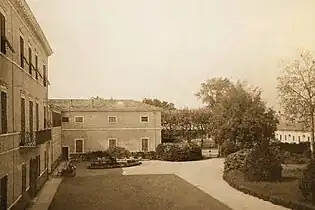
158, 103
307, 182
228, 147
239, 114
296, 89
236, 161
178, 151
285, 193
118, 152
263, 164
144, 155
299, 148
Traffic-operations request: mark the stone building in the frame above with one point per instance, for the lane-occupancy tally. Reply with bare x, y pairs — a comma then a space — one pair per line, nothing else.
96, 124
26, 140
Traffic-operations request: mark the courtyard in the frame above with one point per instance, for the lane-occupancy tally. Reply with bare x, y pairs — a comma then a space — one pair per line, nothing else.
109, 189
154, 185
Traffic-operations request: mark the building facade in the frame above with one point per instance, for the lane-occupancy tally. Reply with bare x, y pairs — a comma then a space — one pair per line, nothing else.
25, 131
97, 124
292, 132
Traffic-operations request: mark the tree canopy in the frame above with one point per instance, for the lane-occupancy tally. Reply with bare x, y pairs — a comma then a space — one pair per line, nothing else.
239, 113
296, 91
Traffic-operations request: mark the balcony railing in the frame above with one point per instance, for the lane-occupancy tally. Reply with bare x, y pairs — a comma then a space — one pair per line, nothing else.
43, 136
32, 139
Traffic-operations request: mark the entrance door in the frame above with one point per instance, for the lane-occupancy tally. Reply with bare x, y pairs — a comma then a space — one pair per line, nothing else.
33, 177
65, 153
4, 193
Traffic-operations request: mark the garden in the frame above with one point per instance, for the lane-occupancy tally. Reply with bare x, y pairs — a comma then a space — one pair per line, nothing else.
260, 172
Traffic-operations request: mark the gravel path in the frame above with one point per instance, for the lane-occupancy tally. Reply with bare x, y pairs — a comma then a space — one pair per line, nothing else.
108, 189
207, 176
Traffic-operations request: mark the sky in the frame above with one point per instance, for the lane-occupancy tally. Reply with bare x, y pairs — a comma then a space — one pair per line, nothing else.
132, 49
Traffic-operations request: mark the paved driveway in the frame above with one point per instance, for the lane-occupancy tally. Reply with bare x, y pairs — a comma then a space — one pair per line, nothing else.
110, 190
207, 176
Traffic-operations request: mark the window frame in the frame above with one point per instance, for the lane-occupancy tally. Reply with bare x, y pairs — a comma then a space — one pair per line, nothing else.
75, 119
112, 138
63, 120
4, 122
141, 143
75, 145
112, 117
144, 121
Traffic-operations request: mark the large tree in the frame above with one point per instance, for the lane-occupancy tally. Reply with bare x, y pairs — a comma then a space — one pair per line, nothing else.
239, 114
296, 90
158, 103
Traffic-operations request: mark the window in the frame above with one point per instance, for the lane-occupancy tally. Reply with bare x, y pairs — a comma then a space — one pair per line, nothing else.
46, 160
45, 117
280, 137
38, 165
112, 142
308, 138
44, 76
65, 119
78, 146
285, 137
144, 144
22, 51
293, 138
78, 119
144, 119
112, 119
4, 192
37, 116
4, 42
23, 178
289, 135
23, 118
31, 118
30, 60
299, 138
2, 34
303, 136
36, 66
4, 112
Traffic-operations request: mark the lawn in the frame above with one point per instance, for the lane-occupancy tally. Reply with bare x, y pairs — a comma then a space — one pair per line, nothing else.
286, 190
97, 190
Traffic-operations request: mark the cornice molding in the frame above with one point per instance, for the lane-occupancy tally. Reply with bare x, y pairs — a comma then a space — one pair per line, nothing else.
27, 14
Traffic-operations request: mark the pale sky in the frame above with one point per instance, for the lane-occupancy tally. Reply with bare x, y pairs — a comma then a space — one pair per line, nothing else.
165, 48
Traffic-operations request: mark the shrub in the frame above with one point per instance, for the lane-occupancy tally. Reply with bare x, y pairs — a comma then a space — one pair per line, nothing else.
235, 161
262, 164
178, 151
118, 152
307, 182
228, 147
144, 155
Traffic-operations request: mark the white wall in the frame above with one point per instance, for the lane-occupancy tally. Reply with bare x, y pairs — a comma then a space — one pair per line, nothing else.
293, 136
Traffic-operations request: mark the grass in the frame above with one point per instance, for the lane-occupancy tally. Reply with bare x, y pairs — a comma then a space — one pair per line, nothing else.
285, 192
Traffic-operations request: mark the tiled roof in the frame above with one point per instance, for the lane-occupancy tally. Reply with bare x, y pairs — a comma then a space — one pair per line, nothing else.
100, 104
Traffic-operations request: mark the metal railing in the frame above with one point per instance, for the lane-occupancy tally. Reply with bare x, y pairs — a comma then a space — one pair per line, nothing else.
32, 139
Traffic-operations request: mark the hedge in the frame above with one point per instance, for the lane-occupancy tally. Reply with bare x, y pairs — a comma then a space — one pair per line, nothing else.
179, 151
235, 179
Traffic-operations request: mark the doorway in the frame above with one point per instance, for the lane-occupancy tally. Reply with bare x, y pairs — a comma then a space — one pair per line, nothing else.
4, 193
65, 153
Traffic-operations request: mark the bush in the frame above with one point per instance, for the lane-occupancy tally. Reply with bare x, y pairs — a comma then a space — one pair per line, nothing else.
228, 147
118, 152
235, 161
178, 151
307, 182
144, 155
263, 164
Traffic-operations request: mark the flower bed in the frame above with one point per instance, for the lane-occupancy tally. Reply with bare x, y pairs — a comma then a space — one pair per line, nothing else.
118, 164
285, 192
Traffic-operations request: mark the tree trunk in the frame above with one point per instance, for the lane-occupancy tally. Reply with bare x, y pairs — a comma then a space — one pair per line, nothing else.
312, 133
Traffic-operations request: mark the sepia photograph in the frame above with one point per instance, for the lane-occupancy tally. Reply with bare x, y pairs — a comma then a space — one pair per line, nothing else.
157, 104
